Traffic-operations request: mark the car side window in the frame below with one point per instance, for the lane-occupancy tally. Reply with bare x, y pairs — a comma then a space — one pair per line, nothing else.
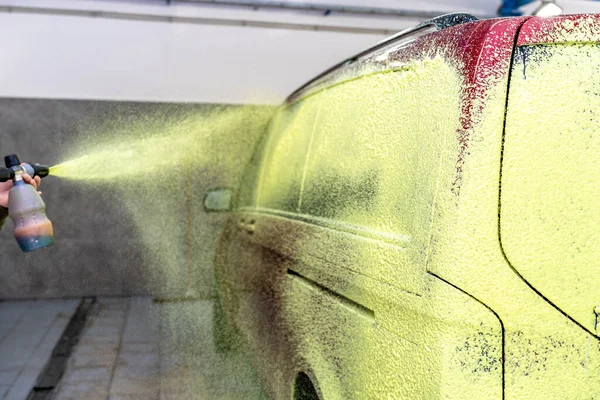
285, 154
375, 154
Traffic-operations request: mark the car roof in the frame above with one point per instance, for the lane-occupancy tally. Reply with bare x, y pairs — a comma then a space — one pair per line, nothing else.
575, 28
436, 24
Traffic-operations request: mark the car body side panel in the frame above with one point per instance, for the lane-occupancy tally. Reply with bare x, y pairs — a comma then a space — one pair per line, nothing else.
462, 299
549, 201
359, 337
547, 354
549, 205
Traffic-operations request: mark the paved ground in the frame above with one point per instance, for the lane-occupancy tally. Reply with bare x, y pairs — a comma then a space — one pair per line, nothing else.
133, 349
29, 331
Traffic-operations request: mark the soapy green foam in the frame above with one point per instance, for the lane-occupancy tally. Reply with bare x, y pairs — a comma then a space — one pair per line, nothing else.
161, 166
144, 149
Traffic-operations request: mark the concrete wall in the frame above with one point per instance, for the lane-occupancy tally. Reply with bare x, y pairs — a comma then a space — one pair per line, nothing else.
99, 247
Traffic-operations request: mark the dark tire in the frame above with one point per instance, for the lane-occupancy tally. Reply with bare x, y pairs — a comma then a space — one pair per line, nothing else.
304, 388
223, 337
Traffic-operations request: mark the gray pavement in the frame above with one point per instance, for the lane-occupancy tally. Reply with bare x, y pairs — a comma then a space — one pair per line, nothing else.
133, 349
29, 330
130, 349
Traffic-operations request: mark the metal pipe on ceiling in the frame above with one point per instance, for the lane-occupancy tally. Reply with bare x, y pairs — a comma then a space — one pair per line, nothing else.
325, 9
195, 20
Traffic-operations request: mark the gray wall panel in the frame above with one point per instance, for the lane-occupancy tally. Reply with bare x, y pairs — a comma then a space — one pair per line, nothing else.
100, 248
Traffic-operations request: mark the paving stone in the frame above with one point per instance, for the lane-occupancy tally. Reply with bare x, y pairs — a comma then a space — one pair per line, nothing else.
5, 329
79, 360
9, 375
132, 397
18, 349
94, 374
15, 353
107, 319
42, 354
22, 386
140, 347
87, 347
55, 332
104, 311
66, 307
148, 360
183, 384
111, 313
84, 383
142, 321
99, 341
135, 380
99, 332
115, 302
36, 321
82, 390
13, 311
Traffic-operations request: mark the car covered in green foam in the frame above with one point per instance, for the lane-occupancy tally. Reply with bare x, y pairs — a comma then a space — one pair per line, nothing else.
422, 221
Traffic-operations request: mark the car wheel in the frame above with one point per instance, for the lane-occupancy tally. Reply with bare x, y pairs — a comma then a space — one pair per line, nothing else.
304, 389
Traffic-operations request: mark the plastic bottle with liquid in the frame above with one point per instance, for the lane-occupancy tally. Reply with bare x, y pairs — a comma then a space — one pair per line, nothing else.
33, 230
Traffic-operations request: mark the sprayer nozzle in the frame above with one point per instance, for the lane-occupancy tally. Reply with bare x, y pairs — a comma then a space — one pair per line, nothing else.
40, 170
11, 160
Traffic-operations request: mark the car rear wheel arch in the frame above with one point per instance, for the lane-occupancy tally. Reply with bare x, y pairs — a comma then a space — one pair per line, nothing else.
306, 387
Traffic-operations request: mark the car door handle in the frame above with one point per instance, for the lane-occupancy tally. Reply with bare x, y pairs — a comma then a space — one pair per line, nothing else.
248, 227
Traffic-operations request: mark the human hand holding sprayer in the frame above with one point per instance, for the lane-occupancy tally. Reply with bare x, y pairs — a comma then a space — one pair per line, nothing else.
33, 230
6, 186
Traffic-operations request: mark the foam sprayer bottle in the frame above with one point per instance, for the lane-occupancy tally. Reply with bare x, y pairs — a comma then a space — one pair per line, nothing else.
33, 230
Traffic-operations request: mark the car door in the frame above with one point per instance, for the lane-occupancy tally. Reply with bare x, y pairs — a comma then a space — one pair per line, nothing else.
363, 218
363, 317
330, 256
